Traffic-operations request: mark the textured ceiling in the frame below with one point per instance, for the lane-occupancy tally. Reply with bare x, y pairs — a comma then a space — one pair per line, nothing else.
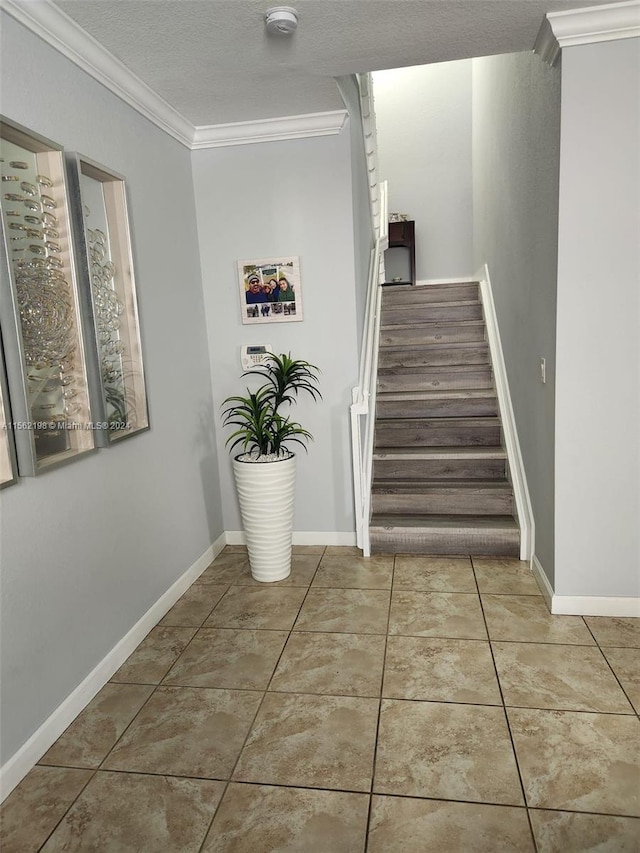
214, 62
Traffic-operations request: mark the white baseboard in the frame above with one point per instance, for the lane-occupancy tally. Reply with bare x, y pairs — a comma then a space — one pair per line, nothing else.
302, 537
595, 605
583, 605
17, 767
429, 282
543, 581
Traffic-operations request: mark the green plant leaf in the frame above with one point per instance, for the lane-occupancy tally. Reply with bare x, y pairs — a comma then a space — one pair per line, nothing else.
260, 425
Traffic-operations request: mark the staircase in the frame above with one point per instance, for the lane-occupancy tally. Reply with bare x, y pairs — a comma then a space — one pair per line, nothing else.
440, 477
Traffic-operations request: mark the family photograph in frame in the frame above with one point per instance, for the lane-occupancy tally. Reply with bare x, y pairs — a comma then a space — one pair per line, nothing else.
270, 290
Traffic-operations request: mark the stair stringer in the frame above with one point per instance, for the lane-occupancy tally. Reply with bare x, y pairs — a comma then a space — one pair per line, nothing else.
515, 466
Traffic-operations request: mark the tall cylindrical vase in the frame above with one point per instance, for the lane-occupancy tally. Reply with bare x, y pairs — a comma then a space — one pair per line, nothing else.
266, 493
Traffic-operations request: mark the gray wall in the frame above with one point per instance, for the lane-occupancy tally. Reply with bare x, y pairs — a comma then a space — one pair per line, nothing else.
88, 548
598, 378
424, 144
516, 139
280, 199
363, 236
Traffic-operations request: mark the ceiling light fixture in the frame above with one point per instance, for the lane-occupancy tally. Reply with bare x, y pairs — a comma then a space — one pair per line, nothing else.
281, 20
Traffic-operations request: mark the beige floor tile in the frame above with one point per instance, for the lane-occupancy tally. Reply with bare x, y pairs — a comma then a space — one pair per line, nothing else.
258, 607
445, 751
578, 761
626, 665
233, 549
225, 657
194, 606
342, 550
129, 813
225, 570
504, 575
440, 670
311, 741
615, 630
303, 568
308, 549
254, 818
338, 664
350, 572
350, 611
96, 729
186, 731
569, 678
434, 574
526, 619
32, 811
568, 832
431, 826
437, 614
155, 655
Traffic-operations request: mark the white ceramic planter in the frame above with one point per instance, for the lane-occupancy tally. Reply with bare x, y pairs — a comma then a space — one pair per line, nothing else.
266, 493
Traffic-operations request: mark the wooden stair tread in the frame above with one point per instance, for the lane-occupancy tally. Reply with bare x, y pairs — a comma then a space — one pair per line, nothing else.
440, 423
430, 347
427, 485
449, 303
436, 369
440, 324
439, 394
445, 453
420, 522
418, 291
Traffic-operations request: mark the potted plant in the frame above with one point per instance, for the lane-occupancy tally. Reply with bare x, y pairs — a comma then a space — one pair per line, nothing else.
265, 471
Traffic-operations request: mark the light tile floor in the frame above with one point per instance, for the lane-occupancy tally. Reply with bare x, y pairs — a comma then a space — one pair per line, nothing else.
393, 705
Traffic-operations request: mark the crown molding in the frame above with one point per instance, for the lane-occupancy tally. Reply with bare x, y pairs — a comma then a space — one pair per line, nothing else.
59, 31
269, 129
587, 26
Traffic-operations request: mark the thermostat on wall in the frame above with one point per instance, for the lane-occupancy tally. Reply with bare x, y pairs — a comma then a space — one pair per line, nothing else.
255, 356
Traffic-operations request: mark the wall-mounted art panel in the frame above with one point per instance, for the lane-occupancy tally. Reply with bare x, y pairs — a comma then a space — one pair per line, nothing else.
103, 237
40, 306
8, 469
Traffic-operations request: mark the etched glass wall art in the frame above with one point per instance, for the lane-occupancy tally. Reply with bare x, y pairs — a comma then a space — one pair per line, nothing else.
102, 228
40, 305
8, 472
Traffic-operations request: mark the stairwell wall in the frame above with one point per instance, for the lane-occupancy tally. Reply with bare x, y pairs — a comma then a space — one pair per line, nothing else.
423, 118
516, 153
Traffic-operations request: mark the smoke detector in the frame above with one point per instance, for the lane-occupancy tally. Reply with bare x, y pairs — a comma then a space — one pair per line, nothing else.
281, 20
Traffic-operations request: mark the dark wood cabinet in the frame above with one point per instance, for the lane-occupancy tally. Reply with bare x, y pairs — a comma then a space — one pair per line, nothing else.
401, 237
